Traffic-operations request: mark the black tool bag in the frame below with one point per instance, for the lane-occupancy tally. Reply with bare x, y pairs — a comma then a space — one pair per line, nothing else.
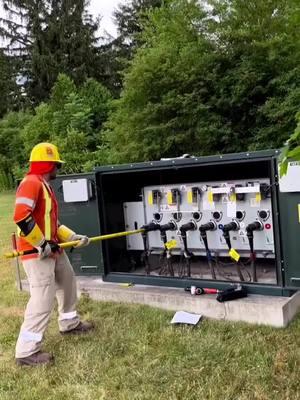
232, 293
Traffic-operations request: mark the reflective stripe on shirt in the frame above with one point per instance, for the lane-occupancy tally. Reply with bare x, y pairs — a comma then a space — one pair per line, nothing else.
25, 201
48, 207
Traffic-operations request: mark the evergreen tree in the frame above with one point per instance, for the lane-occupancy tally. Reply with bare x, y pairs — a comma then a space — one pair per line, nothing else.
115, 55
11, 96
131, 18
50, 37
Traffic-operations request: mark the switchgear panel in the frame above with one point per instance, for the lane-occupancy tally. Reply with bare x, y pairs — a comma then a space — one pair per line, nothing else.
241, 202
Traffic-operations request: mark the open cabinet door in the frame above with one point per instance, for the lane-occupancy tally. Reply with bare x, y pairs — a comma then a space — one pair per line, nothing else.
78, 209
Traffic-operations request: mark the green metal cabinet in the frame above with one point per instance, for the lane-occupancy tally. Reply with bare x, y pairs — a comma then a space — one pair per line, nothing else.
290, 238
112, 185
83, 218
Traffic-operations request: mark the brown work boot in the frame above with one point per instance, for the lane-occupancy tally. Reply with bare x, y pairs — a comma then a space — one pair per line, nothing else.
35, 359
81, 328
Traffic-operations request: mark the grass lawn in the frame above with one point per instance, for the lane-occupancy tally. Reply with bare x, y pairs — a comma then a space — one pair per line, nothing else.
134, 353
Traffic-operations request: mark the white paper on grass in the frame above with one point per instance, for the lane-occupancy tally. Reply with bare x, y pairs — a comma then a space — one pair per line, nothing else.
182, 317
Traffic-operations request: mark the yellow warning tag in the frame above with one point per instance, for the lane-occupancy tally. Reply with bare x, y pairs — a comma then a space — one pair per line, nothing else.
169, 198
232, 197
150, 198
258, 197
234, 255
210, 196
171, 244
190, 197
299, 213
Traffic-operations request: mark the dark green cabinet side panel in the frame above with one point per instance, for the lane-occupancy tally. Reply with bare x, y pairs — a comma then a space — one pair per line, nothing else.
83, 218
290, 238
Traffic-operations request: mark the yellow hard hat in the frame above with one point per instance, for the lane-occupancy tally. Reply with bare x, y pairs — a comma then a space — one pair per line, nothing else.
45, 152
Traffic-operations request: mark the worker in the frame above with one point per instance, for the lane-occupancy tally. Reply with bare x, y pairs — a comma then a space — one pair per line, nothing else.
49, 271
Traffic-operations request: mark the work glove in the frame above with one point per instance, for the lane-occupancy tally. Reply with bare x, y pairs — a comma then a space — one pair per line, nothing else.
47, 248
84, 240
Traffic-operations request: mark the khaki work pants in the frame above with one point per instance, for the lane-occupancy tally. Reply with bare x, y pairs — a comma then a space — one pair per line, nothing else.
47, 278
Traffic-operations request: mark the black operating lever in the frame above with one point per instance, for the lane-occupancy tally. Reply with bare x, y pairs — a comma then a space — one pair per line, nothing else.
152, 226
209, 226
170, 226
232, 226
189, 226
254, 226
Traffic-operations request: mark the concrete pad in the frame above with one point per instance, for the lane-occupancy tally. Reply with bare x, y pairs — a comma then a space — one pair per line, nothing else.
256, 309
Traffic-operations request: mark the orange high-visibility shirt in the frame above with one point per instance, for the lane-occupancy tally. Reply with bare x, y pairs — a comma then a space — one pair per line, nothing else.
36, 198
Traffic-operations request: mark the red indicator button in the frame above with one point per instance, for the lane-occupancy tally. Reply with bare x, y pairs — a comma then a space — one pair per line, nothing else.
268, 226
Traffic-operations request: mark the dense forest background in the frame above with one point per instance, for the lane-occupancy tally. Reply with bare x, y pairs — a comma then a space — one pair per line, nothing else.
182, 76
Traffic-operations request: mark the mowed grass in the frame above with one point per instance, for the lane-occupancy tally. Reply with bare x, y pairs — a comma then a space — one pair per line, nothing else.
135, 353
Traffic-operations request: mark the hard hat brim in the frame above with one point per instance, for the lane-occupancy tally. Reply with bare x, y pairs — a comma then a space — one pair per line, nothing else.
54, 161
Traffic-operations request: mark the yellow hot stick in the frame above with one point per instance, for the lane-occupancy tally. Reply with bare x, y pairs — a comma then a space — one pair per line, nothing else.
75, 242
